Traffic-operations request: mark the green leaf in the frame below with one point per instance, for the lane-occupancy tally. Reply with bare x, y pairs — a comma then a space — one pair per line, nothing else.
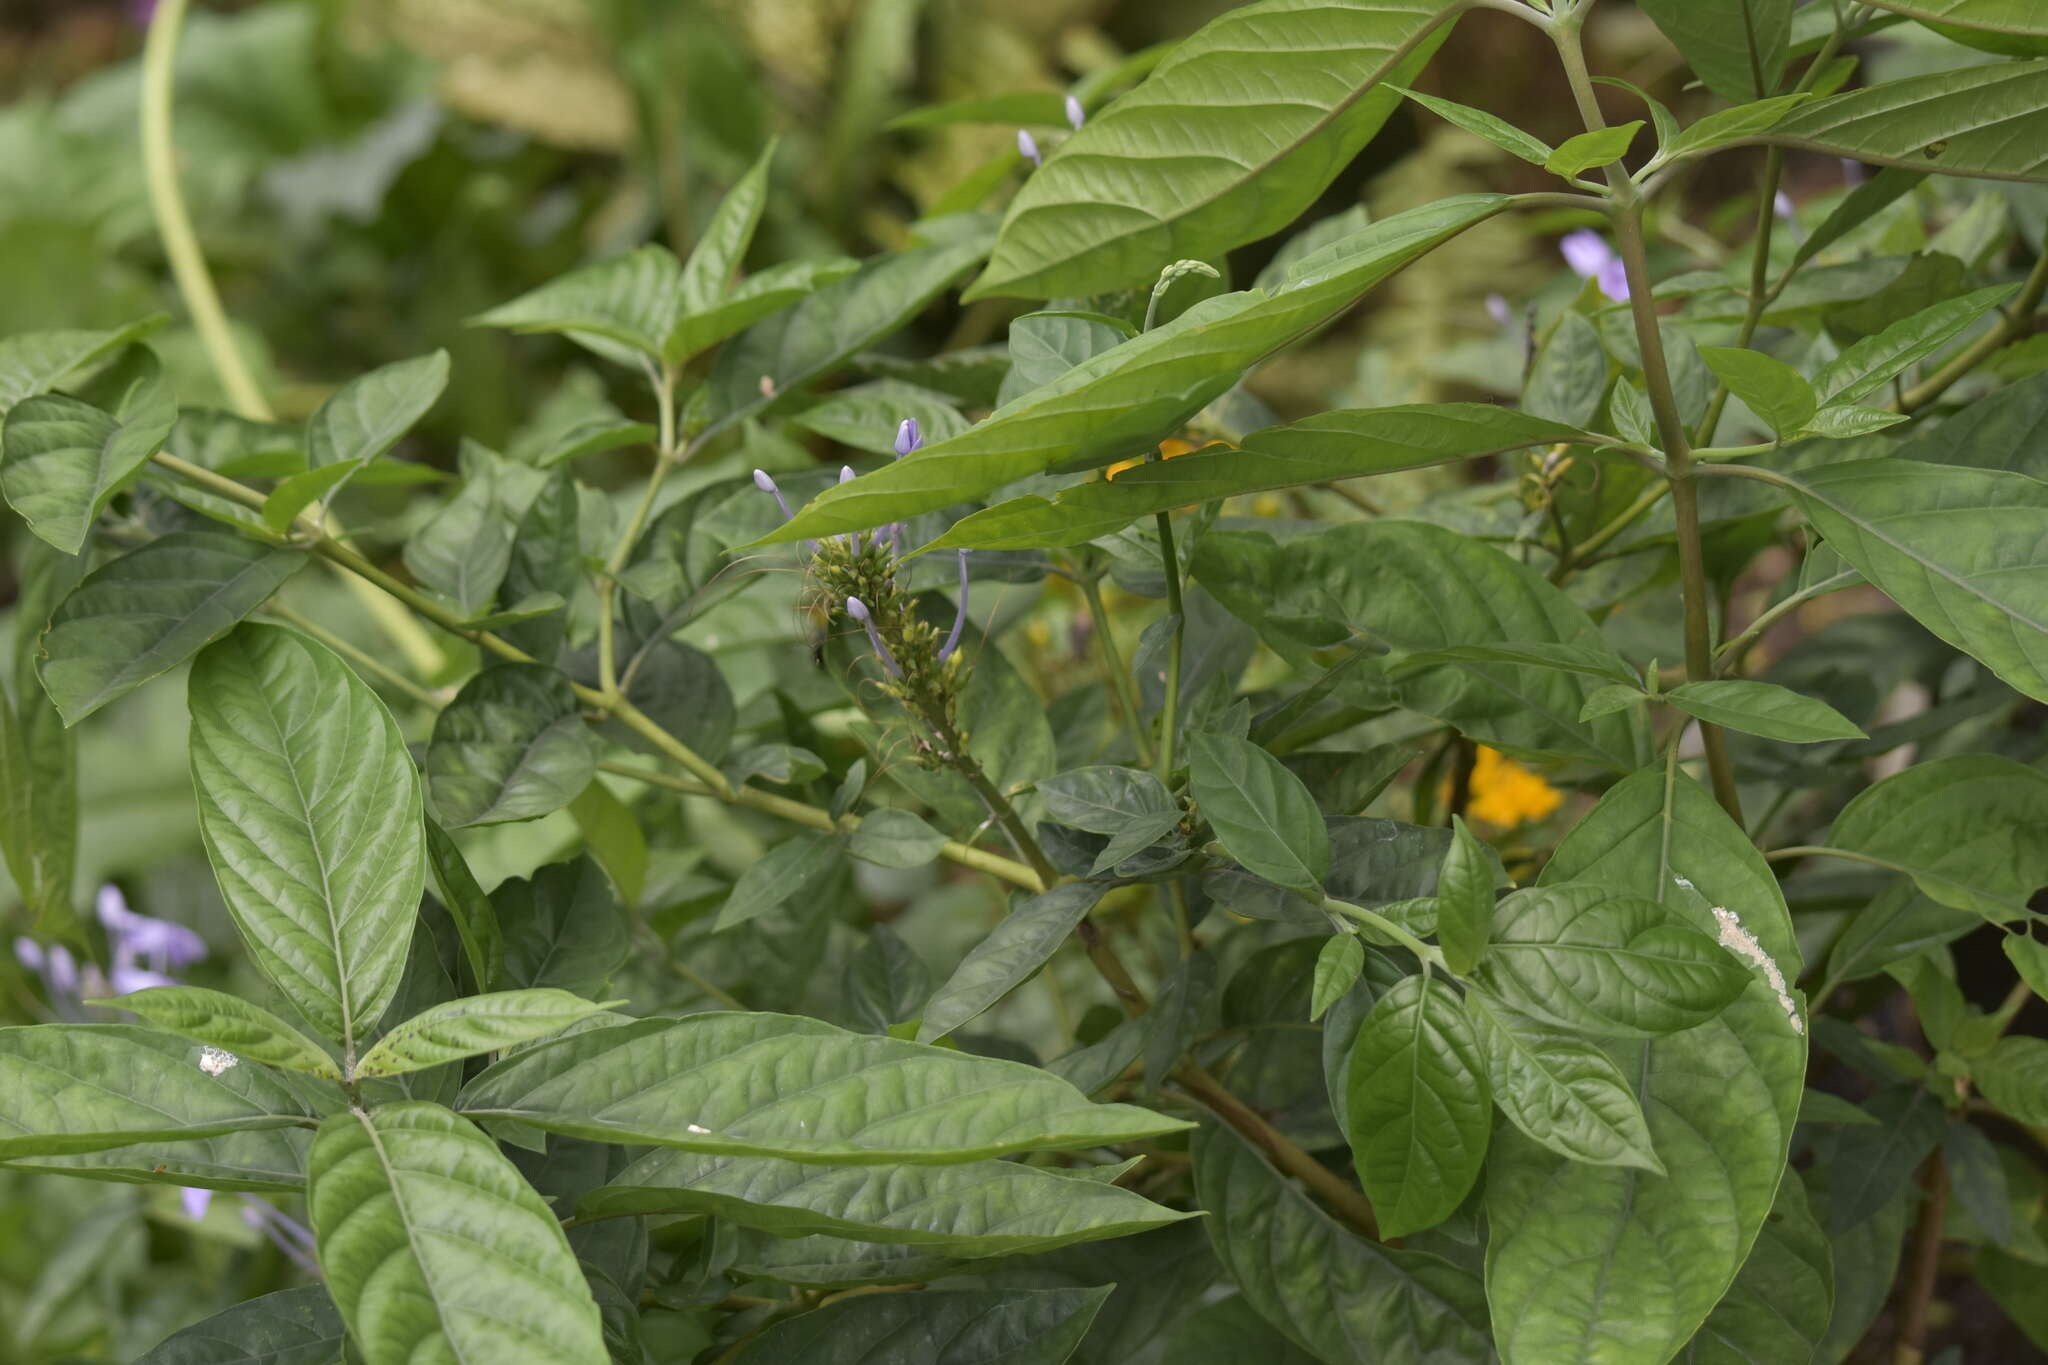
364, 418
785, 352
1586, 660
39, 823
708, 275
793, 865
2014, 1076
1126, 400
756, 297
1610, 699
977, 1208
295, 494
35, 362
562, 926
513, 745
1989, 24
1773, 390
1777, 1309
1873, 1164
1013, 950
798, 1089
866, 416
1600, 147
1321, 449
1045, 345
1724, 126
1989, 120
1765, 709
1499, 132
1581, 957
231, 1024
148, 611
895, 838
1464, 900
309, 808
1569, 374
435, 1247
1738, 47
62, 460
289, 1327
1963, 550
1874, 360
1421, 587
934, 1327
1262, 813
473, 1025
2030, 959
1338, 965
614, 838
1965, 828
631, 299
1898, 923
1335, 1294
465, 551
1846, 420
1419, 1109
1561, 1090
1193, 163
1134, 808
69, 1088
1575, 1249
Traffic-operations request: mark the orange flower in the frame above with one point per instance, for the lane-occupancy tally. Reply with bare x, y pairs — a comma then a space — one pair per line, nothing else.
1170, 448
1506, 794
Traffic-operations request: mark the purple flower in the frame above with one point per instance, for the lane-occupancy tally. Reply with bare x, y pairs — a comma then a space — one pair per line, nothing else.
1027, 147
1613, 280
908, 437
960, 615
126, 978
196, 1202
1781, 204
858, 610
1853, 172
1497, 309
1585, 251
1076, 115
140, 939
767, 485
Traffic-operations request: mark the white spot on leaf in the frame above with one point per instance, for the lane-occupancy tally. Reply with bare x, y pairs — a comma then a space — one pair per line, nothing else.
1743, 944
213, 1060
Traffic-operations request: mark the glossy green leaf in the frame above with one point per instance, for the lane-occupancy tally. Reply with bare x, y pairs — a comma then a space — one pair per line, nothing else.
2014, 1076
1875, 360
39, 824
722, 248
866, 416
474, 1025
436, 1248
365, 417
1898, 923
1499, 132
2029, 957
1577, 1250
895, 838
794, 866
35, 362
562, 927
1582, 957
513, 745
632, 299
1198, 160
1337, 1295
148, 611
1126, 400
977, 1208
1963, 550
1738, 47
1420, 1111
1724, 126
1029, 935
1330, 446
62, 460
295, 494
230, 1024
1338, 965
1989, 120
1568, 377
1464, 900
309, 808
289, 1327
1777, 1309
754, 298
1587, 660
1134, 808
1965, 827
71, 1088
1261, 813
1599, 147
1421, 587
1561, 1090
798, 1089
2014, 27
1757, 708
474, 917
1773, 390
934, 1327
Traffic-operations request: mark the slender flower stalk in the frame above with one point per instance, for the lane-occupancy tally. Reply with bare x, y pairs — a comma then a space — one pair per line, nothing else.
858, 610
768, 486
960, 615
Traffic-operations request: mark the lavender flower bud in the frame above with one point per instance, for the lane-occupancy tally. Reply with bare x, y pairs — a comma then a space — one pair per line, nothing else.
127, 978
1497, 309
960, 614
858, 610
1075, 114
29, 953
196, 1202
846, 473
908, 437
1781, 204
112, 908
767, 485
1027, 146
62, 975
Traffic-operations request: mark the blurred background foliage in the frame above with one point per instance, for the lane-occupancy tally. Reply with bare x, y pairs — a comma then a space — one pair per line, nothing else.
367, 175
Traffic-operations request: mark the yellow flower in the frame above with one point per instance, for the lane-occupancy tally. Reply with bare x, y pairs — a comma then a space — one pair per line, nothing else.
1170, 448
1506, 794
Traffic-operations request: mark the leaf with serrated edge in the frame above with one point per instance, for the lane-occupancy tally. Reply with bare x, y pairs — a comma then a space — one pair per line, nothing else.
1576, 1250
309, 808
475, 1024
436, 1248
800, 1089
229, 1023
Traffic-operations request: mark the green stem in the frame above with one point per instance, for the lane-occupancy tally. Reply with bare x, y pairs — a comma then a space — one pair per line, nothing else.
2016, 320
1169, 713
1731, 653
664, 382
364, 661
1381, 924
1122, 686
